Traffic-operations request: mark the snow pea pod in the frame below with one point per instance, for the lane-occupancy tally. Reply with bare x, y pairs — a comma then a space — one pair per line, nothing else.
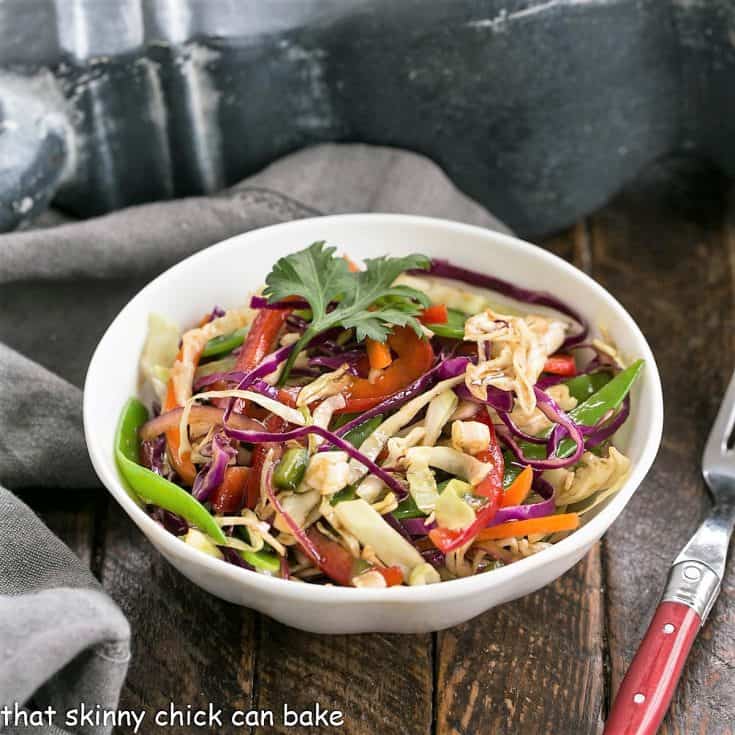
607, 398
583, 386
361, 432
149, 486
291, 469
588, 413
262, 560
512, 469
225, 343
407, 508
346, 493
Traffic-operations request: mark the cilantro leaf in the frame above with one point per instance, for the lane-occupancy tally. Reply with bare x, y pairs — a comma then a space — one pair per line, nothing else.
366, 301
314, 274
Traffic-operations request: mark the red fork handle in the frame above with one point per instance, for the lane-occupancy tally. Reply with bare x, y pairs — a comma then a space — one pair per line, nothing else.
647, 689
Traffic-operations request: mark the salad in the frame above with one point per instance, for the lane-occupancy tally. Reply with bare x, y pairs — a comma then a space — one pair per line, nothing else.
406, 421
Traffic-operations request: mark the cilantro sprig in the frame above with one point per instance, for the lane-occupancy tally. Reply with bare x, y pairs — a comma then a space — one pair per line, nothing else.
366, 301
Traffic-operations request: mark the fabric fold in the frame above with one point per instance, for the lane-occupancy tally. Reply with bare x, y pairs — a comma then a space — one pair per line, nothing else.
63, 640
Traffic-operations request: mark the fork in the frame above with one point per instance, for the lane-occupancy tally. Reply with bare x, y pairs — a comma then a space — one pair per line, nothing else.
692, 588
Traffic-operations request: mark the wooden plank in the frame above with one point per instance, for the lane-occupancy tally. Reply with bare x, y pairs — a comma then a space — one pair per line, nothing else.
381, 683
531, 666
534, 665
189, 647
660, 249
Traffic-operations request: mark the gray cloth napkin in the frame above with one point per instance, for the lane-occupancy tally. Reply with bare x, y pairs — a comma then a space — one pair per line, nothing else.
62, 640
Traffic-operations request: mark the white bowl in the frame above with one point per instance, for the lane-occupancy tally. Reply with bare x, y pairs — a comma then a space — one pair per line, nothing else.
224, 274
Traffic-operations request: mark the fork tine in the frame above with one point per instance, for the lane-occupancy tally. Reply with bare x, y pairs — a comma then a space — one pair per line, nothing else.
716, 447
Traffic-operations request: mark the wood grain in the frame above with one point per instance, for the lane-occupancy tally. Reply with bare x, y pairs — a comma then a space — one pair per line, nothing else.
534, 665
660, 249
189, 647
530, 666
381, 683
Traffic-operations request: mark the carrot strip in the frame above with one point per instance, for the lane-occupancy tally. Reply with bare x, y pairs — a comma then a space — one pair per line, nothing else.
354, 268
378, 354
549, 524
519, 489
183, 465
393, 576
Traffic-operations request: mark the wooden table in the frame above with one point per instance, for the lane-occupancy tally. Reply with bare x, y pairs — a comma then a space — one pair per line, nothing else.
546, 664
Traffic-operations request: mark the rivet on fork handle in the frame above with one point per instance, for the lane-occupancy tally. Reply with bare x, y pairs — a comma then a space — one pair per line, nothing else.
694, 584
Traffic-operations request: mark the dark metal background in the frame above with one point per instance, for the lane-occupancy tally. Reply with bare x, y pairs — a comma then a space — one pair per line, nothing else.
540, 109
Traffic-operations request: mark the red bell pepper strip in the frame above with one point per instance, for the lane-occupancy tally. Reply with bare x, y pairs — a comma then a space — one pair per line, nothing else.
493, 455
491, 488
561, 365
415, 357
447, 540
273, 424
261, 338
229, 497
334, 560
259, 342
434, 314
339, 565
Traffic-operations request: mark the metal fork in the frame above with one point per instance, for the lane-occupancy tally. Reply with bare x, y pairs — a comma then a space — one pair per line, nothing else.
692, 588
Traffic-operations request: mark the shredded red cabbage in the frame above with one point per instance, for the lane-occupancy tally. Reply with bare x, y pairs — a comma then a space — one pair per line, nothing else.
417, 526
595, 435
433, 557
233, 557
266, 366
152, 454
548, 380
212, 475
170, 521
260, 302
397, 525
450, 368
296, 530
334, 362
445, 269
296, 323
216, 313
517, 431
306, 372
555, 414
533, 510
500, 400
266, 389
601, 360
258, 437
269, 364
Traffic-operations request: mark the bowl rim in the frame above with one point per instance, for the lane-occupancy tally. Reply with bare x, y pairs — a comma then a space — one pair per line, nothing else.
580, 540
